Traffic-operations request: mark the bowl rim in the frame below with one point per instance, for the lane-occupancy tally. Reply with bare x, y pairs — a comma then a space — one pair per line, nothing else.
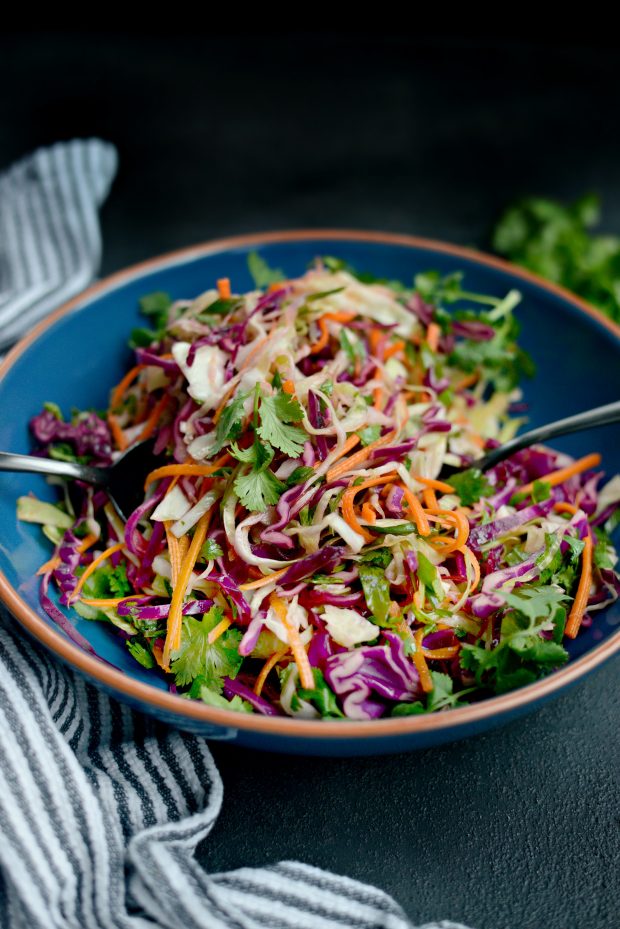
176, 707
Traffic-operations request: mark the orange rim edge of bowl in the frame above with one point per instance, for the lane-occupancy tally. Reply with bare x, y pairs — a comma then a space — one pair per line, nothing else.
182, 709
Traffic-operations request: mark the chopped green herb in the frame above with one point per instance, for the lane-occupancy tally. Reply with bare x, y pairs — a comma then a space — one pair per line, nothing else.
299, 476
261, 273
275, 415
369, 434
142, 655
470, 486
198, 657
555, 241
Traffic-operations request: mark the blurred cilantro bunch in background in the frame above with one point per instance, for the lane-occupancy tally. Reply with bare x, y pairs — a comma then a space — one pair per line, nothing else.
555, 241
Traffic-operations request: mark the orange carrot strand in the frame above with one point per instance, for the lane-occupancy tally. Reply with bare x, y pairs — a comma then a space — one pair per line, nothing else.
580, 603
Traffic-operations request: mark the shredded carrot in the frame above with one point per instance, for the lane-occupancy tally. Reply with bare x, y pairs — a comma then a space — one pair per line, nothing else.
276, 285
177, 549
393, 349
117, 433
218, 630
299, 653
223, 287
432, 336
121, 387
87, 541
186, 470
377, 396
288, 387
154, 417
348, 514
561, 507
430, 499
113, 601
420, 662
435, 485
580, 603
342, 317
94, 565
461, 524
175, 614
347, 445
368, 513
158, 654
55, 562
440, 654
563, 474
323, 339
375, 337
50, 565
266, 668
350, 463
263, 581
348, 496
416, 511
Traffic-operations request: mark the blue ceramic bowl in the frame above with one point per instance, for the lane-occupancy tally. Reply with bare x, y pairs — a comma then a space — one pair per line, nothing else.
75, 356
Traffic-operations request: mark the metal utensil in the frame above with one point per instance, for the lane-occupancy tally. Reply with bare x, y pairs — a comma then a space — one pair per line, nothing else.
601, 416
123, 481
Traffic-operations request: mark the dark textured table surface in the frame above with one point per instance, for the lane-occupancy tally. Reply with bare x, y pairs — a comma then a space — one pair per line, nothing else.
218, 135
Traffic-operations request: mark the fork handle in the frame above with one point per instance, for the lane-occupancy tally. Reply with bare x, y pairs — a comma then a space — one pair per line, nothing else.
601, 416
10, 462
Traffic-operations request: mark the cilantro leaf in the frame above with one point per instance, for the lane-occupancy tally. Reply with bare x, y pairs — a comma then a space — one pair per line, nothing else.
536, 603
200, 690
369, 434
522, 655
500, 360
230, 422
321, 696
376, 589
470, 486
118, 583
157, 307
408, 709
198, 657
261, 273
220, 307
299, 476
554, 240
275, 414
441, 697
541, 490
210, 549
259, 489
140, 653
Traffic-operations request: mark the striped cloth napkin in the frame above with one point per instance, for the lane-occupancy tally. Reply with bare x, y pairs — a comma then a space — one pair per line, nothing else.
101, 809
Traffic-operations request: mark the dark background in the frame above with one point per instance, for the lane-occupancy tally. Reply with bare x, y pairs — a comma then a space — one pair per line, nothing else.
423, 133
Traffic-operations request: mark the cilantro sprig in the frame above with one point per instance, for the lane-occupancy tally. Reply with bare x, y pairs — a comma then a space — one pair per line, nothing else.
522, 655
197, 657
554, 240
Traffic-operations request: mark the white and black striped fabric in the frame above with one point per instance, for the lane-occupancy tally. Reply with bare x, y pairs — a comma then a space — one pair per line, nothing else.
101, 810
50, 242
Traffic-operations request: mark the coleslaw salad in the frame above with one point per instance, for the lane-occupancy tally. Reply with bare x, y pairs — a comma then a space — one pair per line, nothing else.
300, 554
